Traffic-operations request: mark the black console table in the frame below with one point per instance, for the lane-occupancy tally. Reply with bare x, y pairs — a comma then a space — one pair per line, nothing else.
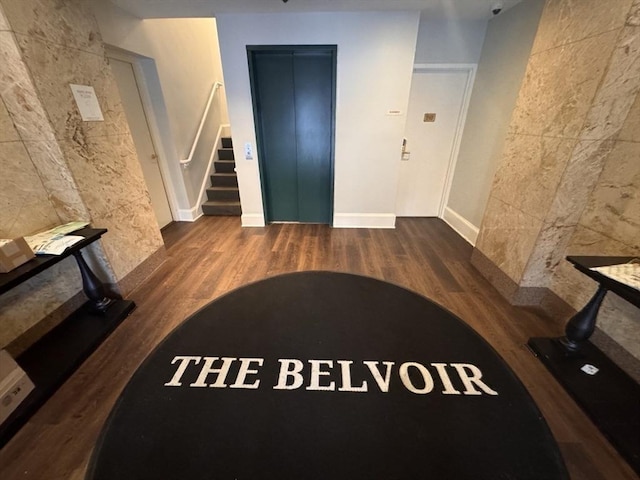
53, 358
609, 396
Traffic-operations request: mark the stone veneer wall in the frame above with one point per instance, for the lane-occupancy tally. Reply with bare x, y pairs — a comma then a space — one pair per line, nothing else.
569, 180
57, 168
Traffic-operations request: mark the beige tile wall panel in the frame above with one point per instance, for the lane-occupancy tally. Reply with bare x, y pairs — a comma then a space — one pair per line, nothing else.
621, 321
4, 23
58, 181
106, 170
70, 24
53, 68
8, 132
559, 86
631, 130
614, 206
24, 203
578, 180
133, 235
19, 93
565, 21
530, 171
618, 91
633, 19
547, 254
507, 237
24, 306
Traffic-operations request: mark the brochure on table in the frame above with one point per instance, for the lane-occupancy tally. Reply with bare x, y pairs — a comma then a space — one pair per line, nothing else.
627, 273
56, 240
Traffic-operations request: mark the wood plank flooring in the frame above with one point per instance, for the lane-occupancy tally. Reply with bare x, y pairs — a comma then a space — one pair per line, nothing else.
214, 255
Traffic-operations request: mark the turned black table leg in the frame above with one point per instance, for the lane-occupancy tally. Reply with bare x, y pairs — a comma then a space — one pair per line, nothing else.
93, 288
582, 325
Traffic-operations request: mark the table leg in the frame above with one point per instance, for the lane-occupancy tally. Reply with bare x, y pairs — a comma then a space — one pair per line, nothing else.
92, 286
582, 325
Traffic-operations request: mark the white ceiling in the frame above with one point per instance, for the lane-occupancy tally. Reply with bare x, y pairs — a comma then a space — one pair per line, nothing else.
434, 9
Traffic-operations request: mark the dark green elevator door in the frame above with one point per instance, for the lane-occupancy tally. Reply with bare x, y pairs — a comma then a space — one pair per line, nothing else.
293, 95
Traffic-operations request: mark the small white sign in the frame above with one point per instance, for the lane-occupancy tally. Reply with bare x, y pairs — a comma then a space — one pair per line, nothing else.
87, 102
589, 369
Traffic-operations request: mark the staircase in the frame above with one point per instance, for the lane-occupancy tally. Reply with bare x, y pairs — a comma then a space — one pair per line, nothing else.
223, 195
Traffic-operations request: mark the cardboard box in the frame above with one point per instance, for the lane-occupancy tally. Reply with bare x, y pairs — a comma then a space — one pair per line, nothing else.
14, 385
14, 253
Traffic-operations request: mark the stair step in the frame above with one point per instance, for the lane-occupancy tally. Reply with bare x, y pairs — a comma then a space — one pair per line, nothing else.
225, 166
227, 142
221, 208
224, 180
225, 154
223, 194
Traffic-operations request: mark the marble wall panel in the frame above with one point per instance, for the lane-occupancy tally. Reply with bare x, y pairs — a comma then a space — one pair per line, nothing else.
548, 253
559, 86
507, 237
133, 235
621, 321
106, 170
619, 89
58, 181
8, 132
53, 68
70, 24
4, 23
25, 305
19, 97
530, 172
633, 19
614, 206
565, 22
19, 94
24, 203
578, 181
631, 129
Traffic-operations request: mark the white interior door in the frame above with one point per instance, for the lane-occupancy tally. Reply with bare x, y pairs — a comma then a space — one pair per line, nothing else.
133, 108
431, 145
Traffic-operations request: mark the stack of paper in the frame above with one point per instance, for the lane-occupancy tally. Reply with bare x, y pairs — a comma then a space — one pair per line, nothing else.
627, 273
56, 240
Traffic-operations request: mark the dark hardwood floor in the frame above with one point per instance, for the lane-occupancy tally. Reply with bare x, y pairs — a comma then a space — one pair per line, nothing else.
214, 255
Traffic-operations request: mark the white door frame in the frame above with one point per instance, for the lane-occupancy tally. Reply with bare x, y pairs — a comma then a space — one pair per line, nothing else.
154, 129
470, 68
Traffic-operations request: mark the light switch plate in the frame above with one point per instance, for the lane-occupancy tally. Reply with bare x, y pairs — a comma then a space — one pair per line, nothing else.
248, 151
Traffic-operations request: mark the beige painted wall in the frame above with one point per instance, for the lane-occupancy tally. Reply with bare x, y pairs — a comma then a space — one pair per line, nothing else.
568, 176
64, 168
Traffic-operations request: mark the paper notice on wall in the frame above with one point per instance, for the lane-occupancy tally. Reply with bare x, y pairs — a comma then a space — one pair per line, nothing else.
87, 102
627, 273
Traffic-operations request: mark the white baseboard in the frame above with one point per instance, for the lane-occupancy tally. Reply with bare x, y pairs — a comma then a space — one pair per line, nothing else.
465, 229
252, 220
364, 220
189, 214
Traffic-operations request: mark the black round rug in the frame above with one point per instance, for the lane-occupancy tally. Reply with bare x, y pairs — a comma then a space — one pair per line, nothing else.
326, 376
